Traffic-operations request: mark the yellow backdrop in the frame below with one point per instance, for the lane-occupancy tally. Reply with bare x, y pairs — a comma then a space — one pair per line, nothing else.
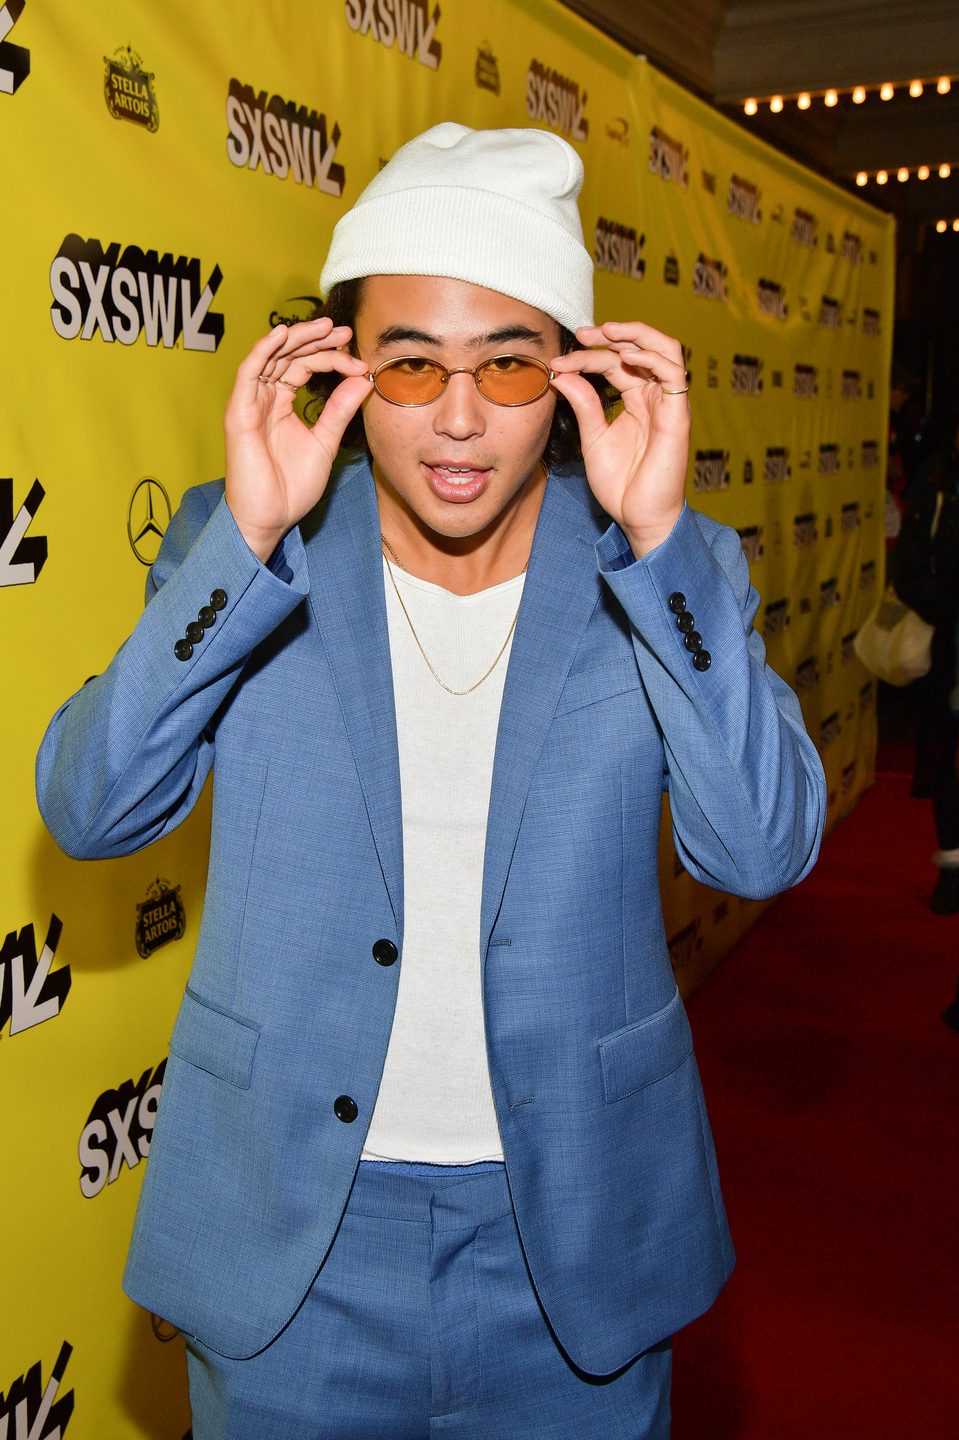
173, 175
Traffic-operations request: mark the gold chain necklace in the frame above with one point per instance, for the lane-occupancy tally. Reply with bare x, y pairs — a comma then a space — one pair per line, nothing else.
409, 622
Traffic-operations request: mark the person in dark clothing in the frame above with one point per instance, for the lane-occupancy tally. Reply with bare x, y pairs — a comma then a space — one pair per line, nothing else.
927, 579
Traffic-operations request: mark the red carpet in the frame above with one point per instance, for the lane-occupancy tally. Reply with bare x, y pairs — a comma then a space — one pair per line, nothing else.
832, 1087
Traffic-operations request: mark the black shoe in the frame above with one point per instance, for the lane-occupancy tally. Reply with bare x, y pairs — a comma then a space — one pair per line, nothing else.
944, 899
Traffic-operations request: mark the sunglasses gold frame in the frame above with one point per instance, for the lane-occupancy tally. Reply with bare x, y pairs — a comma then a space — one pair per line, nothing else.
462, 370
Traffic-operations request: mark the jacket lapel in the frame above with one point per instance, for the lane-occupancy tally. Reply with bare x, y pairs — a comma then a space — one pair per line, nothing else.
349, 607
561, 591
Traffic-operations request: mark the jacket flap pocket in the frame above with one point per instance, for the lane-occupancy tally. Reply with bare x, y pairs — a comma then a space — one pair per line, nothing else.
641, 1054
600, 682
214, 1040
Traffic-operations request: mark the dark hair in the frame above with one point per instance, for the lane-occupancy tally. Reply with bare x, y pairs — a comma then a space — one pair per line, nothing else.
342, 305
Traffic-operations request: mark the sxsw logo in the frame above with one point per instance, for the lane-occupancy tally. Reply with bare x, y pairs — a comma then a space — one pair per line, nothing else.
617, 249
751, 540
851, 249
776, 620
865, 697
804, 229
556, 101
408, 22
829, 730
828, 594
283, 139
22, 557
747, 375
776, 465
120, 295
850, 517
804, 531
118, 1131
30, 1410
847, 649
867, 575
870, 323
14, 60
709, 279
869, 454
742, 201
771, 298
29, 993
830, 313
804, 382
828, 463
807, 676
851, 385
667, 158
711, 470
684, 944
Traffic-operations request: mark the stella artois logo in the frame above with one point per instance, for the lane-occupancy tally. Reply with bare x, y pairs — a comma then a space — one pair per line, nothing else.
160, 917
128, 89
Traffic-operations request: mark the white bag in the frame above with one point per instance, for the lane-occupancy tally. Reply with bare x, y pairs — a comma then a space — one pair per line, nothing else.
895, 643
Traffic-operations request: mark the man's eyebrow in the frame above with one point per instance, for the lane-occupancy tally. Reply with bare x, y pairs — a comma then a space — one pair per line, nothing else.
396, 334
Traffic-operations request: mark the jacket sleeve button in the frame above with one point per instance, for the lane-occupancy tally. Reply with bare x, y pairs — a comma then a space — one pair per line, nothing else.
677, 602
183, 649
194, 632
207, 616
685, 622
385, 952
694, 642
218, 599
703, 660
344, 1108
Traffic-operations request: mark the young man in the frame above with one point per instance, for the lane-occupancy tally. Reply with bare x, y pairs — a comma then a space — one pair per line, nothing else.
432, 1156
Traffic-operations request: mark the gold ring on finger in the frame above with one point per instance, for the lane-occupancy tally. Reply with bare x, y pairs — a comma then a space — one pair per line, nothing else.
266, 379
664, 390
287, 384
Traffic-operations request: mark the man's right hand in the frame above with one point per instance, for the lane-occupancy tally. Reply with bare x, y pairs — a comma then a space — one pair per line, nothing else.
276, 467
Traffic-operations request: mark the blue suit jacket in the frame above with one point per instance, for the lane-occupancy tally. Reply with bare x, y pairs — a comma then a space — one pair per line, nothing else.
608, 1152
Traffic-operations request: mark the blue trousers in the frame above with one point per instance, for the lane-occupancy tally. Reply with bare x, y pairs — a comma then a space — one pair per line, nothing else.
423, 1322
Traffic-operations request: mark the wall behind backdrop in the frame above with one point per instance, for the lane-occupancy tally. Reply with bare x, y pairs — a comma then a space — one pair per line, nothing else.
172, 175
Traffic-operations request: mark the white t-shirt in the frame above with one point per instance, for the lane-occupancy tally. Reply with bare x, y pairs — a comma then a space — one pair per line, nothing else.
435, 1104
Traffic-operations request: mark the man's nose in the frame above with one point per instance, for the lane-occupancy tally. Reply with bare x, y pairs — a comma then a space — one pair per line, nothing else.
459, 412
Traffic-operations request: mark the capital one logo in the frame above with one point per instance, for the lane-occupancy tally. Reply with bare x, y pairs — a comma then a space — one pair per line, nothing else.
118, 1131
29, 992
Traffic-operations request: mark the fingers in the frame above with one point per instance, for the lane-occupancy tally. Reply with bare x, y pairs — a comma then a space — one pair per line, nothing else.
586, 406
281, 344
616, 333
338, 411
624, 367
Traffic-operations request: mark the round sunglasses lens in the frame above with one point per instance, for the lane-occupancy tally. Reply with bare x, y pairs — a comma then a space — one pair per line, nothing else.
410, 381
512, 379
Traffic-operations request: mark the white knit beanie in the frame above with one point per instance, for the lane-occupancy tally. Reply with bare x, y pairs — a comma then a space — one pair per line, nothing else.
494, 207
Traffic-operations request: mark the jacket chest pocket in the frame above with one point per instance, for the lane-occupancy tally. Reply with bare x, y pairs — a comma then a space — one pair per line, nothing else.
600, 682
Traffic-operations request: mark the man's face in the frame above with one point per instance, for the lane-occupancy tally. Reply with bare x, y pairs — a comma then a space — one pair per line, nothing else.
459, 462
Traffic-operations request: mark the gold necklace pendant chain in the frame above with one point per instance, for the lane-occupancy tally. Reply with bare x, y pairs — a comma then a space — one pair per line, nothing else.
449, 691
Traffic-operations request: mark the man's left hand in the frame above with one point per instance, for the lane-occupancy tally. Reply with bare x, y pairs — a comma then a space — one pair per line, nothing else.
636, 466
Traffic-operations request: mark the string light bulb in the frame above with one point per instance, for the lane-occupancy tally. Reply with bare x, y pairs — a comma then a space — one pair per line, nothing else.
858, 95
955, 224
862, 178
881, 177
886, 92
915, 89
941, 226
902, 173
944, 85
776, 104
831, 98
750, 107
923, 172
945, 171
804, 101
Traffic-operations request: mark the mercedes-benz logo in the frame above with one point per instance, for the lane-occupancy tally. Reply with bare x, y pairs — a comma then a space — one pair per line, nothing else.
147, 519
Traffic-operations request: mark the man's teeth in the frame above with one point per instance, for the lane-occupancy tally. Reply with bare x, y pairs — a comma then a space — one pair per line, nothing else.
457, 476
